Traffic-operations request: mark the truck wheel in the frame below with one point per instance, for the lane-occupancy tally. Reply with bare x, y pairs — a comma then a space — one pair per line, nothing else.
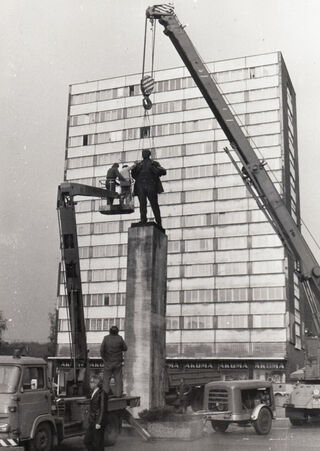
42, 440
263, 423
298, 421
219, 426
112, 429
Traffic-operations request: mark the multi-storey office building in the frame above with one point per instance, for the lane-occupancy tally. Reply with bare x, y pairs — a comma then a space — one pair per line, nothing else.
233, 300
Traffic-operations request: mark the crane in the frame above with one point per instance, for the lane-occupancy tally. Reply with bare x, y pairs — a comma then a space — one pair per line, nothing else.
251, 168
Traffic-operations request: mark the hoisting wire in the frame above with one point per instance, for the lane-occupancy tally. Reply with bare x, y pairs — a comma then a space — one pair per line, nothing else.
144, 46
147, 81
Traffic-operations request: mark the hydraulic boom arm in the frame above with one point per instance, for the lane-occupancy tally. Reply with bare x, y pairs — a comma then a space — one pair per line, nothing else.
255, 174
70, 255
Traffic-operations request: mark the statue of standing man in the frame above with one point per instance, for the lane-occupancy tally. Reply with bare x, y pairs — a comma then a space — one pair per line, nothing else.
148, 185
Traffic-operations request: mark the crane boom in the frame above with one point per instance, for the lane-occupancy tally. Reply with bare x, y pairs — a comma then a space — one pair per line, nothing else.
254, 173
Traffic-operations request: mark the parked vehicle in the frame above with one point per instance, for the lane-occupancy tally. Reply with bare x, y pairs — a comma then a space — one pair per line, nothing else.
31, 414
240, 402
304, 400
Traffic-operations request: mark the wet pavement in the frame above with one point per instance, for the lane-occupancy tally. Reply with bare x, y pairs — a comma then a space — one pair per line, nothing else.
283, 437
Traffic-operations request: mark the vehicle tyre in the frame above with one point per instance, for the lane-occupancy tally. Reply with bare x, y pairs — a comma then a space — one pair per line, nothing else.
263, 423
219, 426
298, 421
112, 429
43, 439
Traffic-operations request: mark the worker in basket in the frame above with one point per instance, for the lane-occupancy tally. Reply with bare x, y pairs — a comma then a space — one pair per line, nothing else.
114, 178
125, 184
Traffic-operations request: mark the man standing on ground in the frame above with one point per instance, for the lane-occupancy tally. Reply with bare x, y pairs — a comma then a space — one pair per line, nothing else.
94, 437
148, 185
111, 351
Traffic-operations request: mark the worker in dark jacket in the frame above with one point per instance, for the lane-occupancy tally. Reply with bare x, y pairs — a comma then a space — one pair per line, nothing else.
94, 437
148, 185
113, 176
111, 351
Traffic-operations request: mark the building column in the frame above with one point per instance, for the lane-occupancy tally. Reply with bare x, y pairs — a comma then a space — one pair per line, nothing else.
145, 322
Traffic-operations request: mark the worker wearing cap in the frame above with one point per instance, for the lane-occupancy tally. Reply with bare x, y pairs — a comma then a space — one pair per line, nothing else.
148, 185
111, 351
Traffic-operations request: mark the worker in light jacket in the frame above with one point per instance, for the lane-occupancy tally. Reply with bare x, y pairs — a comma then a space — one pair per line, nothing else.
94, 437
112, 348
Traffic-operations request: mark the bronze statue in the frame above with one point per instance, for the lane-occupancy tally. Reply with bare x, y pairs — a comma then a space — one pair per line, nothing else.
148, 185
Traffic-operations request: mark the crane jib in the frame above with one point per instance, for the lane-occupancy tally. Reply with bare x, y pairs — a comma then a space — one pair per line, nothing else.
286, 227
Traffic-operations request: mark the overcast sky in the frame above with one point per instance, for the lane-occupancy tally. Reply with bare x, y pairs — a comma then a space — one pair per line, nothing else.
45, 45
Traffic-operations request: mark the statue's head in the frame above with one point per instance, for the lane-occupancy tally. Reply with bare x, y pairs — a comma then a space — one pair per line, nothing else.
115, 165
146, 153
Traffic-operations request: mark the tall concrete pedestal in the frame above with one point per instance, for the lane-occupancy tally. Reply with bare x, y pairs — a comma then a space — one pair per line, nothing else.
145, 322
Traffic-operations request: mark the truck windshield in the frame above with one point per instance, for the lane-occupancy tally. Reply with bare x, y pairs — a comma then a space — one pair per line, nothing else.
9, 378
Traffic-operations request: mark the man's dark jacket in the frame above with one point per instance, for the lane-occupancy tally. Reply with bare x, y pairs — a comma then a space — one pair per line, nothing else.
112, 348
97, 407
148, 172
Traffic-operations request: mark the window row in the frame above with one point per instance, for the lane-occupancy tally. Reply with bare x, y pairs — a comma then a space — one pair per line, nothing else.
252, 111
97, 300
174, 84
187, 246
227, 295
173, 128
193, 296
225, 322
93, 324
225, 269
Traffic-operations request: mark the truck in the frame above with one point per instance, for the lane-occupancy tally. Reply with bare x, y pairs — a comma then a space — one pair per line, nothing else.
303, 402
32, 414
305, 398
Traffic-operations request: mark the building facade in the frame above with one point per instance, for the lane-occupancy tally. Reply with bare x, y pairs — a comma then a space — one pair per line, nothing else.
233, 301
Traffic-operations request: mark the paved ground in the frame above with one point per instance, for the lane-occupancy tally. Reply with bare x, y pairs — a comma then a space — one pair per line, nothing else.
283, 437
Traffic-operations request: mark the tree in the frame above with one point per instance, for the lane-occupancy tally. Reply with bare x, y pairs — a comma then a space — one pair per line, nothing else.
53, 321
3, 325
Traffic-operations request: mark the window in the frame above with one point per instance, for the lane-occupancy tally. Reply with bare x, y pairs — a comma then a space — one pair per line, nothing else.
85, 140
198, 270
225, 269
199, 245
131, 90
198, 322
172, 322
174, 246
232, 322
265, 321
233, 295
33, 378
268, 293
198, 296
145, 132
173, 297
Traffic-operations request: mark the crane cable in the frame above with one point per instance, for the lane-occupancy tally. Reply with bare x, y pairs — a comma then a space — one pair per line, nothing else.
147, 82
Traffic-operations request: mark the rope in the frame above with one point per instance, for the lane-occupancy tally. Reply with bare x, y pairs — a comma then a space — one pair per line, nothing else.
144, 46
153, 46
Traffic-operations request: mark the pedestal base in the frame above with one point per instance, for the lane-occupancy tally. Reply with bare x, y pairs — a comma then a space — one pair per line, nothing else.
146, 314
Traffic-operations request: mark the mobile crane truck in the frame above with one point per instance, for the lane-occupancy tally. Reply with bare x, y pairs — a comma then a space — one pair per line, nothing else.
31, 414
304, 400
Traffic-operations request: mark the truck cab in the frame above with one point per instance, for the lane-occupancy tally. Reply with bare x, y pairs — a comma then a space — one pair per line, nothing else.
25, 400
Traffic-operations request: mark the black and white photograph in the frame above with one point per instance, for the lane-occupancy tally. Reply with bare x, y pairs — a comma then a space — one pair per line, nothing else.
160, 225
